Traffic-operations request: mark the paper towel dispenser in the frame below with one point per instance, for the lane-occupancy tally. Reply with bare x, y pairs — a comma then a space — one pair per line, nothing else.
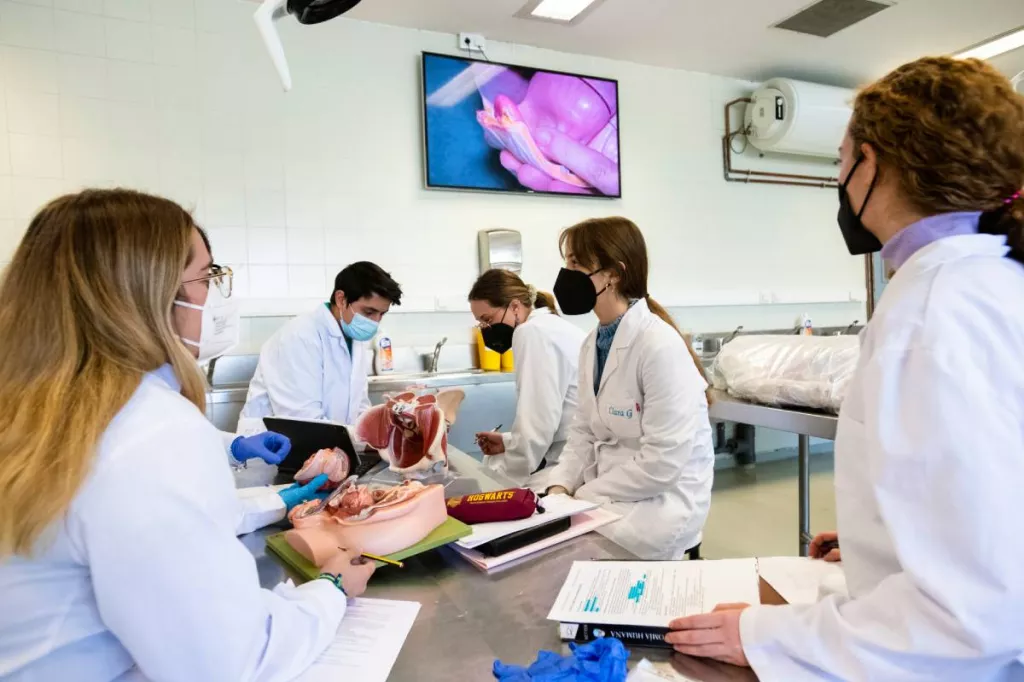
501, 249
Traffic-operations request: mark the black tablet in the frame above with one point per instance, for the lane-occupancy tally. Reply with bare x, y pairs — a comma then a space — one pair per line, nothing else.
308, 437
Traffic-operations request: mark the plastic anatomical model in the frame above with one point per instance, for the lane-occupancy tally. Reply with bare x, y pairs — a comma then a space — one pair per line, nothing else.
411, 431
333, 462
375, 520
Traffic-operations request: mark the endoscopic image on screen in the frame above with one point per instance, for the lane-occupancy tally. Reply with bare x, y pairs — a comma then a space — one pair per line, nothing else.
509, 128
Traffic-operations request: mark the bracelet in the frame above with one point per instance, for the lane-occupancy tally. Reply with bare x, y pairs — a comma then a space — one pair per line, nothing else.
334, 580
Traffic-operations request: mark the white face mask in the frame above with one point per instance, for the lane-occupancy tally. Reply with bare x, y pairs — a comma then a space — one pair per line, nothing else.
220, 329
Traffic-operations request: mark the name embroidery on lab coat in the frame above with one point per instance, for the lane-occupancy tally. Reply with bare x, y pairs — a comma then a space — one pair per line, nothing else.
625, 413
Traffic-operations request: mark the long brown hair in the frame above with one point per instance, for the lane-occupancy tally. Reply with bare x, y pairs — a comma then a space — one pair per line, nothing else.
952, 130
499, 287
610, 244
85, 312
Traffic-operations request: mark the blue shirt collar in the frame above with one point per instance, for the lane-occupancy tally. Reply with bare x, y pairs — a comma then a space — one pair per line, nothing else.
916, 236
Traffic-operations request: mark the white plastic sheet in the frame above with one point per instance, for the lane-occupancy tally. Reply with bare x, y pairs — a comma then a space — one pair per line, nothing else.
789, 371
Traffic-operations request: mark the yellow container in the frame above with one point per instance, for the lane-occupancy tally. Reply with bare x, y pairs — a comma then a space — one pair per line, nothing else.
489, 360
508, 363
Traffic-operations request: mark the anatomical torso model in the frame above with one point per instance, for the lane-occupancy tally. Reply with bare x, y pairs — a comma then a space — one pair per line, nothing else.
380, 520
411, 431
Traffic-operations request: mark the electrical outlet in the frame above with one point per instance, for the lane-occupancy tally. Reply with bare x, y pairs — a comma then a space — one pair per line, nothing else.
472, 42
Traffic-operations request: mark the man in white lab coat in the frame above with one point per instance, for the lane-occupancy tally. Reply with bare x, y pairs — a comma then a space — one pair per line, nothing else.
316, 366
930, 445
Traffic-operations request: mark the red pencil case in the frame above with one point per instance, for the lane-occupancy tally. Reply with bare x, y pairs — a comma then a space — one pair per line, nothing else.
501, 505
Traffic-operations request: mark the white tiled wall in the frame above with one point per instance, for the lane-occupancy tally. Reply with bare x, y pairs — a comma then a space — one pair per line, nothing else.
177, 97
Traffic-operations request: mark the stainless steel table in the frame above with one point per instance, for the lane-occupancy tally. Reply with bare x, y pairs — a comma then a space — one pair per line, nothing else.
804, 423
469, 618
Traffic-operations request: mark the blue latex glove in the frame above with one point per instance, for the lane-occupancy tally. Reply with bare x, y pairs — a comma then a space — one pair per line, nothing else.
296, 494
271, 447
603, 660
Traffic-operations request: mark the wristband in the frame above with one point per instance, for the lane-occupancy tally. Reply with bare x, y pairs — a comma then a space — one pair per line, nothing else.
334, 580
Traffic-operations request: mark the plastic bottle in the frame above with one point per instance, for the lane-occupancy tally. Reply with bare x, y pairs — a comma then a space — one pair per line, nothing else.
383, 357
807, 327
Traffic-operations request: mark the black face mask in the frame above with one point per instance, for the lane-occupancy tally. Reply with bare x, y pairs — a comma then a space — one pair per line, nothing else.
859, 240
575, 291
498, 336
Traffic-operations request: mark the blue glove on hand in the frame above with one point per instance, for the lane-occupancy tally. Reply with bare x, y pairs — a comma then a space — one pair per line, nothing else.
297, 494
271, 447
603, 660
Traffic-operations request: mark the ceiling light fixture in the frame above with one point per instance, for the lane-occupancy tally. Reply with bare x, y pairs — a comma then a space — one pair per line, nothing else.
558, 11
995, 46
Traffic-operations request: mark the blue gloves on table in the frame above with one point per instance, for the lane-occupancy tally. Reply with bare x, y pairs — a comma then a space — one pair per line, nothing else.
603, 660
271, 447
297, 494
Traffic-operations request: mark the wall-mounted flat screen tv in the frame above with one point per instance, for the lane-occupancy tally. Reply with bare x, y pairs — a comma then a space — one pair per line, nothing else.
506, 128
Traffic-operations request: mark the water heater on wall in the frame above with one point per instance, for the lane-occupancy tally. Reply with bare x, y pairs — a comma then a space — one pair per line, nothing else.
793, 117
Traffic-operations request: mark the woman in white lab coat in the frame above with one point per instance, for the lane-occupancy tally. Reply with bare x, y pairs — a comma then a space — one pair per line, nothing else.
641, 441
930, 445
118, 557
547, 351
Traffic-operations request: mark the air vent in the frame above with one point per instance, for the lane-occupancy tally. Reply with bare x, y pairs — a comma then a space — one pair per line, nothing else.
827, 17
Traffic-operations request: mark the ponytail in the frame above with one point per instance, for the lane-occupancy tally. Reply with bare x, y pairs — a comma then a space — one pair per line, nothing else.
545, 300
1007, 220
656, 308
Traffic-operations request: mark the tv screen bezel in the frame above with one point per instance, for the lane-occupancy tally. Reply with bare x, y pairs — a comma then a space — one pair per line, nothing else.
525, 190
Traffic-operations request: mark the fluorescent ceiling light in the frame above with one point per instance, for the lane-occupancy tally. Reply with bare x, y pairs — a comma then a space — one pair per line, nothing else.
560, 10
996, 46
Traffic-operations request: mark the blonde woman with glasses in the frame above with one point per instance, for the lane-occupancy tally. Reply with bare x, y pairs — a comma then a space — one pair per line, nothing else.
118, 556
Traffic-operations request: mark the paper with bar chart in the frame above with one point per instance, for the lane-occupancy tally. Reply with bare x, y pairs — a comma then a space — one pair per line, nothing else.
651, 593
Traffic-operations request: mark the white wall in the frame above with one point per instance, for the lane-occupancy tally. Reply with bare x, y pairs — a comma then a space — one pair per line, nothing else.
177, 97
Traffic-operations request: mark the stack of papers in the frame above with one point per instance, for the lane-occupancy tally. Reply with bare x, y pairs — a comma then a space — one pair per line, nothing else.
368, 642
652, 593
800, 580
582, 524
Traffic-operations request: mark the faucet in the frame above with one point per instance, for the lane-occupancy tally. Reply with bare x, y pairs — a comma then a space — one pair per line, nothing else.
735, 333
852, 325
437, 354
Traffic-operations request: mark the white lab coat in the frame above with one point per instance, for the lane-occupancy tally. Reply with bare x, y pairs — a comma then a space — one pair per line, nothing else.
306, 371
929, 487
642, 448
144, 568
547, 352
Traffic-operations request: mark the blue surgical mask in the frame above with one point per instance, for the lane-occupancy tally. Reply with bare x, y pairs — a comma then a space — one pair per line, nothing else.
360, 328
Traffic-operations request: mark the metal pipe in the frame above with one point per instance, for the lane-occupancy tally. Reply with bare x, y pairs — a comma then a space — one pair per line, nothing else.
819, 181
804, 450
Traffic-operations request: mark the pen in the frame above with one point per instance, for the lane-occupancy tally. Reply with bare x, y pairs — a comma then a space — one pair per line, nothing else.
827, 546
481, 440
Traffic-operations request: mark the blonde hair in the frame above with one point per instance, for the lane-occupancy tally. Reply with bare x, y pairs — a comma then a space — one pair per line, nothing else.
500, 287
610, 244
85, 313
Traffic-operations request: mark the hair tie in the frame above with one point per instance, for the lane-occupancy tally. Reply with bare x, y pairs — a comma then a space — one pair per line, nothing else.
1012, 198
531, 293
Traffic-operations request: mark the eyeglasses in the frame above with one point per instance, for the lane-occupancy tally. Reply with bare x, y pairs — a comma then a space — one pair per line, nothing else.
220, 276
